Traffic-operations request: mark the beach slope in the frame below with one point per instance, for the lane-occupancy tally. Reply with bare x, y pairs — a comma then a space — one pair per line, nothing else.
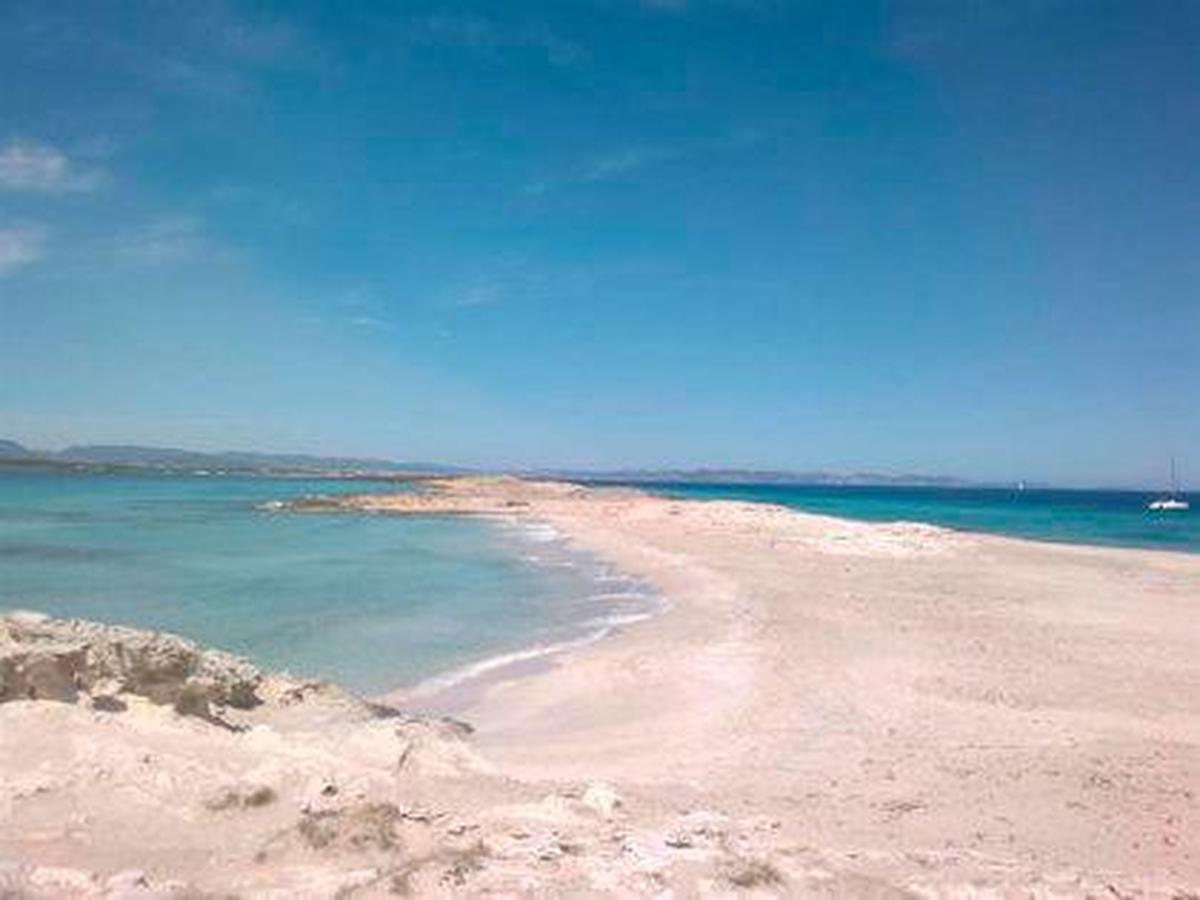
953, 707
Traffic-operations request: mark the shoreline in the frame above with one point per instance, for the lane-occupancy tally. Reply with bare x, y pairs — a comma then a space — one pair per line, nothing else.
826, 708
455, 690
959, 529
374, 503
447, 691
810, 648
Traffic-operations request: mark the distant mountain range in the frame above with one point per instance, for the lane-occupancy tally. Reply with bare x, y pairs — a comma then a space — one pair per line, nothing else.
12, 450
173, 459
106, 457
750, 476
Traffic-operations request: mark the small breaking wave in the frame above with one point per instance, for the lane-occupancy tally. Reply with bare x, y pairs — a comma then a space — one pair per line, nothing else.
472, 671
541, 532
594, 629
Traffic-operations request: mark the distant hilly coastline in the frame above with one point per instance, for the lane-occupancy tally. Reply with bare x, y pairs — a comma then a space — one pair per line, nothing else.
120, 457
134, 457
757, 476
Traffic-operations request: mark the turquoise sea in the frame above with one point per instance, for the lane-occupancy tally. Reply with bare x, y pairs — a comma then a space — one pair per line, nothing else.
1112, 518
376, 602
371, 601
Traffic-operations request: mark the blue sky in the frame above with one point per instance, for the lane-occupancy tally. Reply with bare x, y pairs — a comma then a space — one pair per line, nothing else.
953, 236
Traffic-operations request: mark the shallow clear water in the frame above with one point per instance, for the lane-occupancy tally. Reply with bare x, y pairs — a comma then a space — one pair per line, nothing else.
370, 601
1114, 518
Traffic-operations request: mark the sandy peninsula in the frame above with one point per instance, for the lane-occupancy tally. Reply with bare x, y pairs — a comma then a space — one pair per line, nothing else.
824, 708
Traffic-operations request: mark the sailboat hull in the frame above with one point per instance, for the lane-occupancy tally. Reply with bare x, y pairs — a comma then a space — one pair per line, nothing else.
1171, 505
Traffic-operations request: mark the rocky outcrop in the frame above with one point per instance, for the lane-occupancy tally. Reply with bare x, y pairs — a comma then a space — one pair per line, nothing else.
60, 659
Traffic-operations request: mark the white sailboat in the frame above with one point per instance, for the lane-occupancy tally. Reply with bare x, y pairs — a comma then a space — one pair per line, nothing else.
1172, 502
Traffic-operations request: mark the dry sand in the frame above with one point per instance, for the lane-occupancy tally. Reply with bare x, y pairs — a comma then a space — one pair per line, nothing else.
826, 708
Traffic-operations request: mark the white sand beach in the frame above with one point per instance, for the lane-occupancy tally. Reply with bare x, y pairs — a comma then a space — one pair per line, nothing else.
824, 708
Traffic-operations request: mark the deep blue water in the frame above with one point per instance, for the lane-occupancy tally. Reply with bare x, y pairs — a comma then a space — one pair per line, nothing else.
370, 601
1113, 518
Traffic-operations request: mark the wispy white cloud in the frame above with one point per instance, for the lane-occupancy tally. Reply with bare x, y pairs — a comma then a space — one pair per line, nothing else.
512, 278
20, 246
261, 42
492, 282
480, 293
36, 167
603, 167
479, 33
361, 306
681, 6
217, 50
626, 161
167, 240
371, 323
925, 32
622, 162
213, 50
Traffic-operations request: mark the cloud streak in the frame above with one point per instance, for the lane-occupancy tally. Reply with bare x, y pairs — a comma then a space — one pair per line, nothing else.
605, 167
28, 166
627, 161
477, 33
20, 246
165, 241
615, 165
691, 6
